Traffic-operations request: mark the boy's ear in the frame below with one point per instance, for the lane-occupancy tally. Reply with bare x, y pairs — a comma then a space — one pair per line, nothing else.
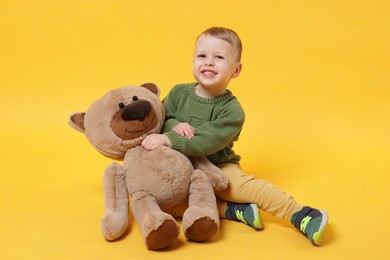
238, 71
76, 121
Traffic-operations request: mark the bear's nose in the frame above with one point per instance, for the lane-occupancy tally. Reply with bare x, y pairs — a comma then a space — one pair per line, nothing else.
136, 111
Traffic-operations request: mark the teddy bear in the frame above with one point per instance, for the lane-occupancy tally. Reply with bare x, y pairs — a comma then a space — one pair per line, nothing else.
163, 184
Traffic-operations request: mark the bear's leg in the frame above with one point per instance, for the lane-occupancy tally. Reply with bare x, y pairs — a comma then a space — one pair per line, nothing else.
200, 220
159, 229
216, 176
116, 203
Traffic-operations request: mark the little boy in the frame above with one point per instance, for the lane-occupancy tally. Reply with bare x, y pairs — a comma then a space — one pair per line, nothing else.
205, 119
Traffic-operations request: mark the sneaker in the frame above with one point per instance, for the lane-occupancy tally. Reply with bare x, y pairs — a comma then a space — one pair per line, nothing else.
246, 213
312, 222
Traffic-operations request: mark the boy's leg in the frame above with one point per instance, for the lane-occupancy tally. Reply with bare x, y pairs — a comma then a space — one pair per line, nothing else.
244, 188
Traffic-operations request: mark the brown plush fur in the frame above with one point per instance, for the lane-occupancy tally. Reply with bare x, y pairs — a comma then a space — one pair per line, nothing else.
159, 181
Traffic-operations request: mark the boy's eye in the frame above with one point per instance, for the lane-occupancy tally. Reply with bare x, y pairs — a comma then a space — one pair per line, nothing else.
219, 57
201, 56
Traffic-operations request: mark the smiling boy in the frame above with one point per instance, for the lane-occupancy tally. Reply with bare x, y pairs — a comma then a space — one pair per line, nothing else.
204, 118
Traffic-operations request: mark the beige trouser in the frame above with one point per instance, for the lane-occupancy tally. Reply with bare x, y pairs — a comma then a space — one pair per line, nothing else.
245, 188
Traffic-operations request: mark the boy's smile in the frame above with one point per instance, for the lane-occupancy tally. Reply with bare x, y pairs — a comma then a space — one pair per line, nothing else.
209, 73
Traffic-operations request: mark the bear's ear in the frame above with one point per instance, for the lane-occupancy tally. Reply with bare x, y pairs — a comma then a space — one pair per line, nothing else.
152, 87
76, 121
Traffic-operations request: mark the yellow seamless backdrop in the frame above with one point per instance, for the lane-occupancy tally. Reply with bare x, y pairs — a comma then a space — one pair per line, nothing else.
315, 87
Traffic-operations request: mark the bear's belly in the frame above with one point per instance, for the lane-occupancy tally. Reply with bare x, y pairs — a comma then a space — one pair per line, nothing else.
163, 172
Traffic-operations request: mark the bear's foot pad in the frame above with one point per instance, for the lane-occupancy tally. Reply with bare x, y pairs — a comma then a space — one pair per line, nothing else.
163, 236
202, 229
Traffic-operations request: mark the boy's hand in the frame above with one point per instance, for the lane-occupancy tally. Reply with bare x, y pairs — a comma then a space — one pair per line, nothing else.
184, 129
152, 141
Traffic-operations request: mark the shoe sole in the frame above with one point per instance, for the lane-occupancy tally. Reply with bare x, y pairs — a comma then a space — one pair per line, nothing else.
258, 222
317, 236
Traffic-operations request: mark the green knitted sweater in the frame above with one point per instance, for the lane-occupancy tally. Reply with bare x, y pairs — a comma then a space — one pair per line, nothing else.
217, 121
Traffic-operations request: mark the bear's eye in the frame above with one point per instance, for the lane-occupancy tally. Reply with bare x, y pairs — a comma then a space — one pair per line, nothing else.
135, 98
121, 105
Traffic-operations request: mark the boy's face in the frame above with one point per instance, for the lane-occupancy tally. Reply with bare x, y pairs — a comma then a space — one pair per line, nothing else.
215, 63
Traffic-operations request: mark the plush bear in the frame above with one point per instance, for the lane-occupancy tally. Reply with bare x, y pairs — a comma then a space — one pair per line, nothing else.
160, 182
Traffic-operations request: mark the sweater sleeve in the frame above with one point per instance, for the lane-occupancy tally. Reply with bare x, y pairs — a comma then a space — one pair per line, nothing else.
170, 107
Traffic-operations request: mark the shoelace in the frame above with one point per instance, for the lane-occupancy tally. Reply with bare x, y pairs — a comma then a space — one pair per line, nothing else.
240, 215
302, 220
304, 223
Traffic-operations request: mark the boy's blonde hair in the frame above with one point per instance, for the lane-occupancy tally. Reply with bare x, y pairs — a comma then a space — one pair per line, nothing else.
228, 35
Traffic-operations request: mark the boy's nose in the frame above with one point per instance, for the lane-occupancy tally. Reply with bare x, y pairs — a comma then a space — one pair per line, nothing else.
209, 62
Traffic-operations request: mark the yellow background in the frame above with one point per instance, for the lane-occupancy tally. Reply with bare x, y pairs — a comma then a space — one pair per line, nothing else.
315, 87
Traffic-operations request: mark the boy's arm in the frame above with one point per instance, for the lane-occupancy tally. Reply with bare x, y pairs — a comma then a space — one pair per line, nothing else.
210, 137
170, 114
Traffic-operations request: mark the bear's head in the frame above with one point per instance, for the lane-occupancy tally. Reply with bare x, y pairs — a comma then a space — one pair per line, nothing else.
121, 119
